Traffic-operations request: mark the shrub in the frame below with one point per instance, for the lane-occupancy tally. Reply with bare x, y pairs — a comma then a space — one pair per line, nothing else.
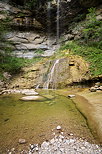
91, 54
92, 32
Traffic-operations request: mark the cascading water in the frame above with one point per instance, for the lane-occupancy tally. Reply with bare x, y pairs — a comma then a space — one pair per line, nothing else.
37, 87
49, 27
50, 76
58, 17
50, 81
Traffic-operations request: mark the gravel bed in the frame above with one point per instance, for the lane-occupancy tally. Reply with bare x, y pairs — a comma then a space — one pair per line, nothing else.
62, 145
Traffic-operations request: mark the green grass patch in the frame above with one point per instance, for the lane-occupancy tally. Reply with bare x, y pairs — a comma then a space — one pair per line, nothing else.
14, 65
91, 54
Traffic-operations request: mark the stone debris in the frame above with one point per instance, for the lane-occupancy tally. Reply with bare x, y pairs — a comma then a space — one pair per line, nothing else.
96, 87
63, 145
20, 91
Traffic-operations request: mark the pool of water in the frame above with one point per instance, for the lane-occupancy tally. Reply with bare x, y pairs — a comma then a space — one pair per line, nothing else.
36, 121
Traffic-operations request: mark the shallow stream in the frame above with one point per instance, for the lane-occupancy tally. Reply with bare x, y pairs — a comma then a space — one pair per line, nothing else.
36, 121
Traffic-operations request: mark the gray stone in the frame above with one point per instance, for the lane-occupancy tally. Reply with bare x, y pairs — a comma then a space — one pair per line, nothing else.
31, 46
7, 75
45, 145
17, 40
99, 17
38, 40
100, 88
93, 89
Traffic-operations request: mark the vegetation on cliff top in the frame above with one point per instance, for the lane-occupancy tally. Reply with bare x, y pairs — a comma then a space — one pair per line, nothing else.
89, 46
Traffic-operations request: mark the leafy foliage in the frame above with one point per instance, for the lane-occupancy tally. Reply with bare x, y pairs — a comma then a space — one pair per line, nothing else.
90, 54
92, 31
14, 64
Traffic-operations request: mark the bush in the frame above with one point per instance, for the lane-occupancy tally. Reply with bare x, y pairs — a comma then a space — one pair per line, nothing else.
92, 32
91, 54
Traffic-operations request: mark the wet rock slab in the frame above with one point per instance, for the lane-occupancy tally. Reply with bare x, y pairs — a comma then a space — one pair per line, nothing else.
32, 98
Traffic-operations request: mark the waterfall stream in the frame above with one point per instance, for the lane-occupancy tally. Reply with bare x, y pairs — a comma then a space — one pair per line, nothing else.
48, 26
49, 81
50, 76
58, 17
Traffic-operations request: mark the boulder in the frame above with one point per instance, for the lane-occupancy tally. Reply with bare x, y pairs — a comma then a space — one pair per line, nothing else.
70, 96
100, 88
93, 89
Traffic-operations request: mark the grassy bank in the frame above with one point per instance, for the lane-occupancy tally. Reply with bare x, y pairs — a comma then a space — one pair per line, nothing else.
14, 65
92, 55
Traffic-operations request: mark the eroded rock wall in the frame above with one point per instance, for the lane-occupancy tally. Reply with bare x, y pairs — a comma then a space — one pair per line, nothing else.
67, 71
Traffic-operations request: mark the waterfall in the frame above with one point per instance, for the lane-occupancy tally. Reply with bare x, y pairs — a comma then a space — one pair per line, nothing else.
37, 87
58, 21
50, 76
49, 17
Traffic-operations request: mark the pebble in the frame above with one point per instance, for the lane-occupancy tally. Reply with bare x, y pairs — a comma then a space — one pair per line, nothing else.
58, 128
70, 96
22, 141
32, 146
71, 134
63, 145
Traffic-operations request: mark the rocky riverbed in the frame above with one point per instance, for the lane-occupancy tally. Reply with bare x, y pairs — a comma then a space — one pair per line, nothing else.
61, 145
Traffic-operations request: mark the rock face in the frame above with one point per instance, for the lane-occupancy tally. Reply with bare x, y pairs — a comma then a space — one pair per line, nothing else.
31, 44
64, 73
31, 33
68, 10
